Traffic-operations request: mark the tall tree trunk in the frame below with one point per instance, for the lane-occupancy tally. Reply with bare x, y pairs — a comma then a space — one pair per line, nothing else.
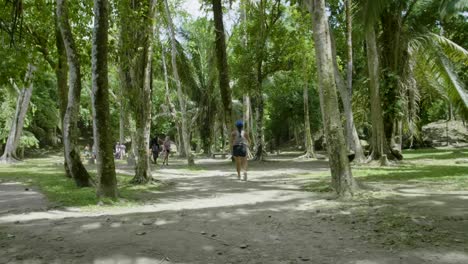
16, 129
253, 131
309, 143
70, 120
246, 115
221, 57
351, 131
121, 122
106, 179
172, 109
61, 73
143, 113
342, 178
137, 33
349, 46
352, 138
260, 138
180, 94
379, 145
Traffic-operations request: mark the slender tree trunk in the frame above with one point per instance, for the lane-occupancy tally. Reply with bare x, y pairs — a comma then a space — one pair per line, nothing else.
61, 73
16, 129
309, 143
70, 120
221, 57
379, 145
342, 178
246, 115
106, 179
121, 123
349, 45
260, 138
352, 138
350, 125
253, 131
182, 100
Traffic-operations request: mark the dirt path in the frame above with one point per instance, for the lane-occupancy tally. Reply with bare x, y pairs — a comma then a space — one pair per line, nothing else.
207, 216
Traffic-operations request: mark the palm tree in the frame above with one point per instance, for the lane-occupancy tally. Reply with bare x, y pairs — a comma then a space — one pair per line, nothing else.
408, 44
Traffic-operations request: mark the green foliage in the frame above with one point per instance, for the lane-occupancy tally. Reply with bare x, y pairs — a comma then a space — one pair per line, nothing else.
285, 106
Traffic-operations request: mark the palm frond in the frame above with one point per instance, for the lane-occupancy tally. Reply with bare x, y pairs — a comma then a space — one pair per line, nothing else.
454, 51
437, 67
449, 8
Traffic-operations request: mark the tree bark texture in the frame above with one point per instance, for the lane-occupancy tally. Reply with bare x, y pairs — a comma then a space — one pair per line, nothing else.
70, 120
309, 143
61, 73
17, 123
260, 138
222, 64
106, 178
137, 32
342, 178
352, 138
378, 142
349, 45
180, 94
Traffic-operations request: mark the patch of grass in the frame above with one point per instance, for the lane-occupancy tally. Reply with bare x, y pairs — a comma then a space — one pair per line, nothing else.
435, 154
448, 175
50, 178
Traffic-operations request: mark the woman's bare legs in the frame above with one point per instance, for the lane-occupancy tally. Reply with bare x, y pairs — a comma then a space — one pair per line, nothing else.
238, 167
244, 166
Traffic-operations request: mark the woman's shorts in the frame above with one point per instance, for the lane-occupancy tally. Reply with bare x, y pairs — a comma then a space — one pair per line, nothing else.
239, 151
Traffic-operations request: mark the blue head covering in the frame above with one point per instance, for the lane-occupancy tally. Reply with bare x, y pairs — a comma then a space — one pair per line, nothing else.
239, 124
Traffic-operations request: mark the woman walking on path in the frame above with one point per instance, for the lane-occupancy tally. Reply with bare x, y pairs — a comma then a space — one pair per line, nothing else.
240, 143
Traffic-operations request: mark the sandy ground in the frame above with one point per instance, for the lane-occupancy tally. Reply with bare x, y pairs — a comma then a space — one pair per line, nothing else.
207, 216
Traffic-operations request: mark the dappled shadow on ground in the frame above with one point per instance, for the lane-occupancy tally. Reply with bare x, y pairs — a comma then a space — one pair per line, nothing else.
207, 216
264, 232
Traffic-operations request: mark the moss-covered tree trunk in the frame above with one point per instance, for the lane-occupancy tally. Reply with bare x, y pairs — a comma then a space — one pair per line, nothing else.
61, 73
70, 120
342, 178
137, 33
106, 179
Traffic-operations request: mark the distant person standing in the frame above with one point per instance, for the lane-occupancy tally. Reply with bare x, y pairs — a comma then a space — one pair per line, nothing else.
123, 151
166, 150
117, 150
155, 149
240, 143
